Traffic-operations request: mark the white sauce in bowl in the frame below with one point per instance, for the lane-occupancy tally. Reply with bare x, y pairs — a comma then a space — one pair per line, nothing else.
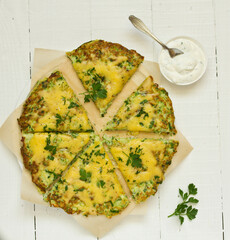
185, 68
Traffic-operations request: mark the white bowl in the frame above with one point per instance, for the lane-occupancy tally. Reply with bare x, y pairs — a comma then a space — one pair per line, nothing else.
201, 73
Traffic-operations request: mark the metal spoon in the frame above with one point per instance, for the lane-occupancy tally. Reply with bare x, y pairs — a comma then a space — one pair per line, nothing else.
137, 23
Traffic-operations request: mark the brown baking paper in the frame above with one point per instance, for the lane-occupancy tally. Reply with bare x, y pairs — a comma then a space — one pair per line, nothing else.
47, 61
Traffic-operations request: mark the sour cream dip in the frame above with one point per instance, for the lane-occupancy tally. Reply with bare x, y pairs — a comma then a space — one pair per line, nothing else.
186, 68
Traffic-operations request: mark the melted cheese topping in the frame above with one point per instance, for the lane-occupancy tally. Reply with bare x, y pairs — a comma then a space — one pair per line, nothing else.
74, 119
49, 164
115, 78
142, 162
148, 160
102, 186
145, 110
55, 108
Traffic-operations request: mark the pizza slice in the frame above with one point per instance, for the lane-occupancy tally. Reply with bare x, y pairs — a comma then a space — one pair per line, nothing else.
148, 109
104, 68
142, 162
90, 186
53, 107
47, 155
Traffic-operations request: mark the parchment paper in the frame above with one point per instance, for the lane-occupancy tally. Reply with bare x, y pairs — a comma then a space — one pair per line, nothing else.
47, 61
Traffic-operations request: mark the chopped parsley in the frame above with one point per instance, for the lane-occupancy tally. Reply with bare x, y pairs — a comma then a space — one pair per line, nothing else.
142, 112
98, 153
79, 189
98, 90
49, 147
50, 157
100, 183
144, 101
151, 124
30, 129
52, 173
72, 105
85, 176
114, 211
134, 157
126, 102
59, 119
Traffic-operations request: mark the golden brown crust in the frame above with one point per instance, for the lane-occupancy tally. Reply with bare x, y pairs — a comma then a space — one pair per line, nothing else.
32, 167
98, 49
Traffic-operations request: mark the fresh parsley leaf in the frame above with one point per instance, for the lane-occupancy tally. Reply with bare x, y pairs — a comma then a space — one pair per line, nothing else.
98, 153
96, 86
142, 112
151, 124
85, 176
191, 212
59, 119
72, 105
98, 90
30, 129
90, 71
192, 189
50, 157
55, 175
144, 101
102, 93
100, 183
181, 193
50, 147
126, 102
114, 211
184, 208
79, 189
134, 157
87, 98
181, 220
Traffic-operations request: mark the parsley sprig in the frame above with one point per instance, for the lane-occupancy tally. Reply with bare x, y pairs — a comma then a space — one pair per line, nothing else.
134, 157
184, 208
51, 148
98, 90
85, 176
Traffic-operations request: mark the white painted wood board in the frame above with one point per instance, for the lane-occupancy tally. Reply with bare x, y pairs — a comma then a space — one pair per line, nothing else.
203, 116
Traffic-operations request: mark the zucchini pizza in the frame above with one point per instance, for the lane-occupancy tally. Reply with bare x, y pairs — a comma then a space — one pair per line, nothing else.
71, 166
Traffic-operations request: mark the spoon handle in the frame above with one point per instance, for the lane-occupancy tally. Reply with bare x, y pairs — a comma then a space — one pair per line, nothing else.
137, 23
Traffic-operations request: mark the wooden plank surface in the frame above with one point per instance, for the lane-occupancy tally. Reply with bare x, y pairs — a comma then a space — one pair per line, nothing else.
222, 25
202, 110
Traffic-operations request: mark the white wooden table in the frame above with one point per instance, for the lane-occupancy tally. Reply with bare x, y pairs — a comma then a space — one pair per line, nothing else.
202, 110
